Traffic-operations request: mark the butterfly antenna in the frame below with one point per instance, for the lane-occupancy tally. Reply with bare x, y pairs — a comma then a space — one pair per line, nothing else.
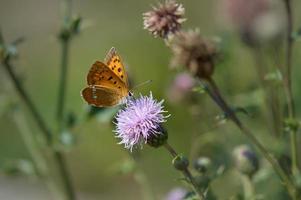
141, 84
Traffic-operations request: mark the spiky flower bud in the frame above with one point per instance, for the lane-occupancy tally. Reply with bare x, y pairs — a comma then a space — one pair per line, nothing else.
165, 19
194, 52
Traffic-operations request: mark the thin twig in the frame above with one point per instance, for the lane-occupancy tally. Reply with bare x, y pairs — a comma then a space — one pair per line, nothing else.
288, 86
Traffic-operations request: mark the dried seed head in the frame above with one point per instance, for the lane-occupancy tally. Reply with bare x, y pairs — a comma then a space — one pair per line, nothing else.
190, 49
165, 19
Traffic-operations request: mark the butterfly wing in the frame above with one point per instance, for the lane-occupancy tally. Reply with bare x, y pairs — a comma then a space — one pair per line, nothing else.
101, 75
114, 62
101, 96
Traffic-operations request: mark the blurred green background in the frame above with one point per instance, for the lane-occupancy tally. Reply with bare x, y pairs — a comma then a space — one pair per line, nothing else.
94, 159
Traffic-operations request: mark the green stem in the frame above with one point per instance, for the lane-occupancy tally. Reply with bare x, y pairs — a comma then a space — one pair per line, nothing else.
144, 184
186, 172
65, 41
141, 178
271, 93
62, 84
59, 158
213, 91
24, 96
288, 86
249, 190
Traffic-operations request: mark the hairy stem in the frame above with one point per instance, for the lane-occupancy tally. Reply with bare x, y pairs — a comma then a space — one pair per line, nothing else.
186, 172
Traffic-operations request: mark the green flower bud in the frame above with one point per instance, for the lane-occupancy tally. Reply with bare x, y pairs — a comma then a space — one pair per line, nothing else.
246, 160
157, 140
180, 162
202, 164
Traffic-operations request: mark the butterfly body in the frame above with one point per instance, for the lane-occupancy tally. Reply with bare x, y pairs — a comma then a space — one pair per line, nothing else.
107, 82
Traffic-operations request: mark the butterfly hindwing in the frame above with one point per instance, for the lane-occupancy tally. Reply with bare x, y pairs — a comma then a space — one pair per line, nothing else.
114, 62
101, 96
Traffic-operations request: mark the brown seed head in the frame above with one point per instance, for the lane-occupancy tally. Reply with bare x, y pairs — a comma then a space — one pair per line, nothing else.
165, 19
193, 51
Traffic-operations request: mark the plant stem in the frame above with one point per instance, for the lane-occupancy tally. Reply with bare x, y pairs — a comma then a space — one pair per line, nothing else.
144, 184
62, 83
249, 190
24, 96
141, 179
186, 172
288, 86
213, 91
272, 101
58, 156
65, 41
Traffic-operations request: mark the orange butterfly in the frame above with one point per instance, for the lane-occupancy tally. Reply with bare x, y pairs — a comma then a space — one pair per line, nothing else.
107, 82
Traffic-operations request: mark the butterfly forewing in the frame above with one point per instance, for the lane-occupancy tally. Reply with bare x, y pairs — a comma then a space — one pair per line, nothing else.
107, 82
101, 96
114, 62
101, 75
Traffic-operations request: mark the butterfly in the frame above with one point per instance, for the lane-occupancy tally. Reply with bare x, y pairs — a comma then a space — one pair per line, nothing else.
107, 82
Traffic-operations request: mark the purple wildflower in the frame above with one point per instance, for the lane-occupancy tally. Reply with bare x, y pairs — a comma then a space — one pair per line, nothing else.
139, 121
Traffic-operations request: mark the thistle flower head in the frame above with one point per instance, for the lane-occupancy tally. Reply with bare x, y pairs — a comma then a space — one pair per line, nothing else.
190, 49
140, 121
165, 19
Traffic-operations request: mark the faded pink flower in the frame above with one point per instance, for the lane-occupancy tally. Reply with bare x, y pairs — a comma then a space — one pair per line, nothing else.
165, 19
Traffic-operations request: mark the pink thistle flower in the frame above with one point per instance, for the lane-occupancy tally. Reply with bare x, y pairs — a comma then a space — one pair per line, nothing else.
140, 121
181, 87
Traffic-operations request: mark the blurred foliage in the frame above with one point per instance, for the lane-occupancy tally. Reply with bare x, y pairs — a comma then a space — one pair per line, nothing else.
92, 149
